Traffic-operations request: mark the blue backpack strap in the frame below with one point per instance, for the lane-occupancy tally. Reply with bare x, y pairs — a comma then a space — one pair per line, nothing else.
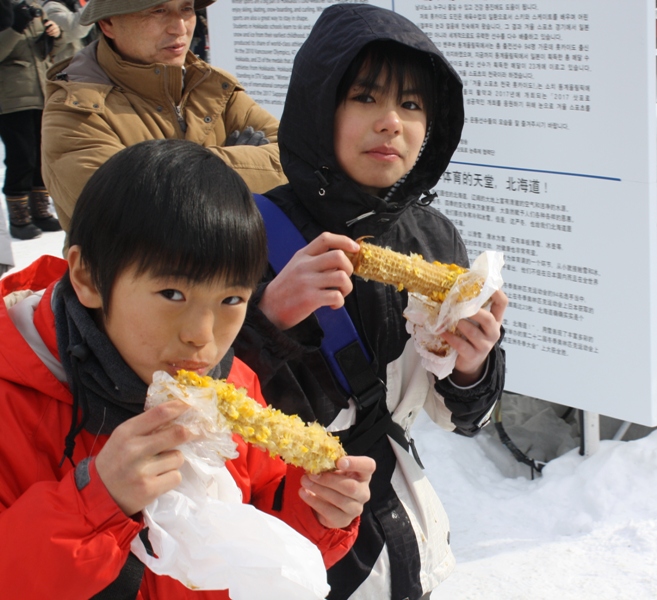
341, 346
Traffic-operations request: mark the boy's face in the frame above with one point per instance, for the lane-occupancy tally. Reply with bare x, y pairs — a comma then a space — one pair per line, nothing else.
169, 324
378, 138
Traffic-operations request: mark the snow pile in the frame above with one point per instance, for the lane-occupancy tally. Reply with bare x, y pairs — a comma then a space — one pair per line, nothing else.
587, 528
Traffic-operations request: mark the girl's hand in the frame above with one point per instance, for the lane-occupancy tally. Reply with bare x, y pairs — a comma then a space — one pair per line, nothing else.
317, 275
479, 334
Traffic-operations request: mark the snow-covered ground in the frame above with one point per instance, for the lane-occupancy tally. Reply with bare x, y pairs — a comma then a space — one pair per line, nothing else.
586, 528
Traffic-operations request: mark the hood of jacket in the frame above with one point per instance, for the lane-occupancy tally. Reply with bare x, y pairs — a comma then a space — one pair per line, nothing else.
28, 331
306, 130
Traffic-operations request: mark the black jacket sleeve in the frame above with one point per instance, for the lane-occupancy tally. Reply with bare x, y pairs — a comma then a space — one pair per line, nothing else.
265, 348
471, 407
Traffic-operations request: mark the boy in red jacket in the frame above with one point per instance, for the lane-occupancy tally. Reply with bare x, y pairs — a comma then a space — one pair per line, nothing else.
166, 246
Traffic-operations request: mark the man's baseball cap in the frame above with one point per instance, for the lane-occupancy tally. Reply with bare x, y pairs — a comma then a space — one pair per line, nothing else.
95, 10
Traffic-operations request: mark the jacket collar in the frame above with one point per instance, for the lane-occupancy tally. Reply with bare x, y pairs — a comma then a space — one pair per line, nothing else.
99, 64
150, 81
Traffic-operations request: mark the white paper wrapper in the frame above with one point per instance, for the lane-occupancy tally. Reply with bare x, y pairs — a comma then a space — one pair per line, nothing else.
426, 319
204, 536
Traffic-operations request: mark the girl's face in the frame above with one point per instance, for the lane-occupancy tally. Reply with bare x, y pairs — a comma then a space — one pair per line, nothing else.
377, 136
167, 324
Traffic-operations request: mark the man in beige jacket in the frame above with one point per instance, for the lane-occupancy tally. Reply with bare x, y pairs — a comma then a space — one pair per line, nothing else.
139, 81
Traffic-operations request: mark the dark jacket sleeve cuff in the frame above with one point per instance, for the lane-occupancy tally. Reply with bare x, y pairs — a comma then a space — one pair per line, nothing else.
471, 406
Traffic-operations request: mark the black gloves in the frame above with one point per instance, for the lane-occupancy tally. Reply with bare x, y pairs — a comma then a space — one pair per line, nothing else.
248, 137
22, 16
6, 14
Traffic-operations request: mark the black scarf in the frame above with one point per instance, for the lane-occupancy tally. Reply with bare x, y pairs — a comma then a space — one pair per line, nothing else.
105, 389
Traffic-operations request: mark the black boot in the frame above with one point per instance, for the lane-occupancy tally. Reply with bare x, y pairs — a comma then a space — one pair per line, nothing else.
40, 210
20, 221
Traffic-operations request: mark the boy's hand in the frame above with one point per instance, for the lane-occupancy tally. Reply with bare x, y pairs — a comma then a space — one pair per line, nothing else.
337, 497
317, 275
138, 463
480, 333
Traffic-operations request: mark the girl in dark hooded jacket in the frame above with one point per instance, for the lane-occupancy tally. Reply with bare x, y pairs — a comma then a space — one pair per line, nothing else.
372, 116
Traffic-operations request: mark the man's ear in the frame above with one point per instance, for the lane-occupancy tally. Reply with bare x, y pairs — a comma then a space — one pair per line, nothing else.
107, 27
81, 280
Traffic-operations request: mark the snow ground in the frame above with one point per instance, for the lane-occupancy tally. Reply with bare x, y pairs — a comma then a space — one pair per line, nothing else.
585, 529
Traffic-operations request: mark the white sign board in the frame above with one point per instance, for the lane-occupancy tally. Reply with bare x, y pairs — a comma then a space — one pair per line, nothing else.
556, 168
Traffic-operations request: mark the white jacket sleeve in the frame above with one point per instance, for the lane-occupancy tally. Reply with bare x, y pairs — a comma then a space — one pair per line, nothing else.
68, 22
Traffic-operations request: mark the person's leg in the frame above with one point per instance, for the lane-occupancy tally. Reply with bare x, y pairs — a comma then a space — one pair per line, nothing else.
39, 201
17, 133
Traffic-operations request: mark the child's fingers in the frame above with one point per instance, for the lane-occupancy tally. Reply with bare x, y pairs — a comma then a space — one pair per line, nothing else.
343, 487
334, 489
338, 497
335, 280
310, 280
480, 329
165, 438
329, 514
500, 301
164, 462
163, 484
331, 260
136, 471
155, 418
331, 241
360, 468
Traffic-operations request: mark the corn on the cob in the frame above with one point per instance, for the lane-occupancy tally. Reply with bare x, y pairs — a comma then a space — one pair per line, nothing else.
308, 446
411, 272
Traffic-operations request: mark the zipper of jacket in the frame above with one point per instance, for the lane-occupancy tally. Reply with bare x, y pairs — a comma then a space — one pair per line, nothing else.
179, 116
179, 108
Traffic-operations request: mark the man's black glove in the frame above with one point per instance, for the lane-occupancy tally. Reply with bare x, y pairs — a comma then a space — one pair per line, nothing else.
22, 16
6, 14
248, 137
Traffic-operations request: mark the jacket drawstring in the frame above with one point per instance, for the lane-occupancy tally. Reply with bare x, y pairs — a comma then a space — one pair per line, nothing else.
426, 198
79, 353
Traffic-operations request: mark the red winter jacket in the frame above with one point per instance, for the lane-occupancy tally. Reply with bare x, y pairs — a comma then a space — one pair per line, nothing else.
55, 539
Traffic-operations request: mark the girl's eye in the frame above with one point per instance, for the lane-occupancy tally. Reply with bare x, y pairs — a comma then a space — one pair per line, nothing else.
364, 98
233, 300
174, 295
411, 105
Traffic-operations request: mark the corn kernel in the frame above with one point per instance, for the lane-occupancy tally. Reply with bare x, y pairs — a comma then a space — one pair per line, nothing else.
308, 446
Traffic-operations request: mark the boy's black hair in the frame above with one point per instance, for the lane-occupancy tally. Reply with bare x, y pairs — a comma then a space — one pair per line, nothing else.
168, 208
403, 66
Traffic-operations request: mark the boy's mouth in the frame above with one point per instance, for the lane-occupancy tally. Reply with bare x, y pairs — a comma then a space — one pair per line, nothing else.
190, 365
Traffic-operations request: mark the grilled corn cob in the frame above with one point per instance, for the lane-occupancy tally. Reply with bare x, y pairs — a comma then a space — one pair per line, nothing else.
308, 446
411, 272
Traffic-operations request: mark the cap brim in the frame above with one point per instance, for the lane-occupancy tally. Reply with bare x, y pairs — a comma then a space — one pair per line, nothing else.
92, 12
